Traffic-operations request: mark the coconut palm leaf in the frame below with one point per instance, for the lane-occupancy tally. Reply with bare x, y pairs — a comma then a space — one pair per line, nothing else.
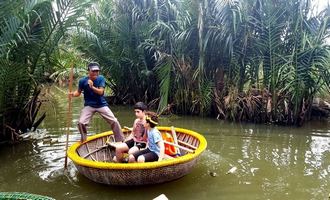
30, 34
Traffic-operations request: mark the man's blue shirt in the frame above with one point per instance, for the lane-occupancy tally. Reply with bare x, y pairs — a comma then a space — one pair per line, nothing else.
91, 98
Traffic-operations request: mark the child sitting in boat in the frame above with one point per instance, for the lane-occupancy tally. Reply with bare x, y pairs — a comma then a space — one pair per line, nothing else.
155, 149
138, 138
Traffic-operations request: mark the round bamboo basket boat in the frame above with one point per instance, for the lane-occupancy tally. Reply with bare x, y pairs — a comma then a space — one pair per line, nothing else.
93, 159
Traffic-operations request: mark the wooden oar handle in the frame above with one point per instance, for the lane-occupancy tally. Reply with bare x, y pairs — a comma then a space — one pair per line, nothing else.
69, 116
96, 150
175, 138
181, 147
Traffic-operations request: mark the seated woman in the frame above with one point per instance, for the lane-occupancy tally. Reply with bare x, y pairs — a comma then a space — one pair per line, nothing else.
155, 144
138, 138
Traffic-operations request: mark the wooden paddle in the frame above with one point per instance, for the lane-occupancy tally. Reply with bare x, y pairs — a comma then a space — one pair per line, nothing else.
180, 147
175, 138
96, 150
69, 115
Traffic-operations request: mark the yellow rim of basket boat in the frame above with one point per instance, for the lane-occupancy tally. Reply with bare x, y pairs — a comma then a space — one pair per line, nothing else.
73, 155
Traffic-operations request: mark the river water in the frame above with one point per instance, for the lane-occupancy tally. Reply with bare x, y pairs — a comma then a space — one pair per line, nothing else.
273, 162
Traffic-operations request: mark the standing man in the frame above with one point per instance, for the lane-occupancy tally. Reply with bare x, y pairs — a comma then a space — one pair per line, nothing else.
93, 88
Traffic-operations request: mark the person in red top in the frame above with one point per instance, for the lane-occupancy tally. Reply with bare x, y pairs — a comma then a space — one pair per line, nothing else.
138, 138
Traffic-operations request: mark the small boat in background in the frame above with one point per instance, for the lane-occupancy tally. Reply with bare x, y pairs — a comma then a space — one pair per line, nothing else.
93, 159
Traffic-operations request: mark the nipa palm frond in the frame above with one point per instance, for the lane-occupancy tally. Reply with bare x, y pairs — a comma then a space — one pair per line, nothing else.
163, 71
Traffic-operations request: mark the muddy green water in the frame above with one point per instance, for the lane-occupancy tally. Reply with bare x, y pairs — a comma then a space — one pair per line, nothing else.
272, 162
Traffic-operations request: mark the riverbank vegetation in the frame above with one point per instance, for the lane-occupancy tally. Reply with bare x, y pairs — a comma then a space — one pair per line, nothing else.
250, 60
258, 61
31, 32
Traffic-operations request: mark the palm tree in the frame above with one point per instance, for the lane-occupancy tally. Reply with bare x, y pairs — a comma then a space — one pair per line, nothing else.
30, 34
253, 60
113, 32
289, 41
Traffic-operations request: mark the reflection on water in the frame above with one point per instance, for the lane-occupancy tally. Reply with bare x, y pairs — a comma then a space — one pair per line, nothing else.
272, 162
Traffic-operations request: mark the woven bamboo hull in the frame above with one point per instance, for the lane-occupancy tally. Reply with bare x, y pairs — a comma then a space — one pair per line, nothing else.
99, 167
137, 176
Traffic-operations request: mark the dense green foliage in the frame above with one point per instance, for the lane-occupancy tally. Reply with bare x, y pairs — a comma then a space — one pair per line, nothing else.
252, 60
260, 61
30, 33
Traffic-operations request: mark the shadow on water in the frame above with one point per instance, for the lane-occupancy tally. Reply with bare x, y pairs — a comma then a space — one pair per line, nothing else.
267, 162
